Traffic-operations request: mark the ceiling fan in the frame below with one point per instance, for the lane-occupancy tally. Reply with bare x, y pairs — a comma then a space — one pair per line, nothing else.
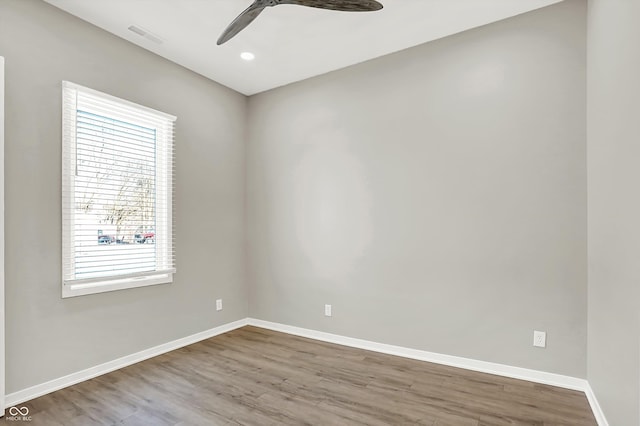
256, 8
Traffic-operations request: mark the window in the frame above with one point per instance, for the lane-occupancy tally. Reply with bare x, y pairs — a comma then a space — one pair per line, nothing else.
117, 171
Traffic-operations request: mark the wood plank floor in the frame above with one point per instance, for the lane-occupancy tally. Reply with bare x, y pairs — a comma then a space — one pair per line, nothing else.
253, 376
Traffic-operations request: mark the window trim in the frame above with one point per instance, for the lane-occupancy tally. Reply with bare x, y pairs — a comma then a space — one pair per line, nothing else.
85, 286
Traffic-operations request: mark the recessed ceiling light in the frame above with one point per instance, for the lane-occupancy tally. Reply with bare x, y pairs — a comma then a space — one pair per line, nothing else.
247, 56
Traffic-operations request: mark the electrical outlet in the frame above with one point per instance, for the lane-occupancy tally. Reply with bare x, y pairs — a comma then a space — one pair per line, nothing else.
540, 339
327, 310
219, 305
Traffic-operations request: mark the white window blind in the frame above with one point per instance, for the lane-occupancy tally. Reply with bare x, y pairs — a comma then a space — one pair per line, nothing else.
117, 193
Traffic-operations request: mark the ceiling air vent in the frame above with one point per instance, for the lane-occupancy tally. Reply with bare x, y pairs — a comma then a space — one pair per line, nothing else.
146, 34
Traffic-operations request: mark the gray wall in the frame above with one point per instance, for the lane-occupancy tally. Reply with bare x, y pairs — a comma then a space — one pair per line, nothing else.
614, 207
435, 197
48, 337
441, 185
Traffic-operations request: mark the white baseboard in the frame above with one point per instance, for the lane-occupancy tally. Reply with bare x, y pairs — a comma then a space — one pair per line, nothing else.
452, 361
595, 407
535, 376
27, 394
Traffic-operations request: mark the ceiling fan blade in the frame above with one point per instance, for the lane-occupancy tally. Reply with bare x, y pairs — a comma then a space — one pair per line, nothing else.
241, 22
342, 5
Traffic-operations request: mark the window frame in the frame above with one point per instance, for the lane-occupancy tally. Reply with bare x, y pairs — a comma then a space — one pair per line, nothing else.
72, 287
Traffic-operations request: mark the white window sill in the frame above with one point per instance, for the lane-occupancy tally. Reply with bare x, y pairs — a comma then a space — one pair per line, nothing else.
85, 287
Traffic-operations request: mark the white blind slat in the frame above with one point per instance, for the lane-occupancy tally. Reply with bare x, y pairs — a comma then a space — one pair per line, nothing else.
117, 187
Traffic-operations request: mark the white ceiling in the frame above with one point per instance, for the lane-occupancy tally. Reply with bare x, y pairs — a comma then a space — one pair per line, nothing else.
291, 43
